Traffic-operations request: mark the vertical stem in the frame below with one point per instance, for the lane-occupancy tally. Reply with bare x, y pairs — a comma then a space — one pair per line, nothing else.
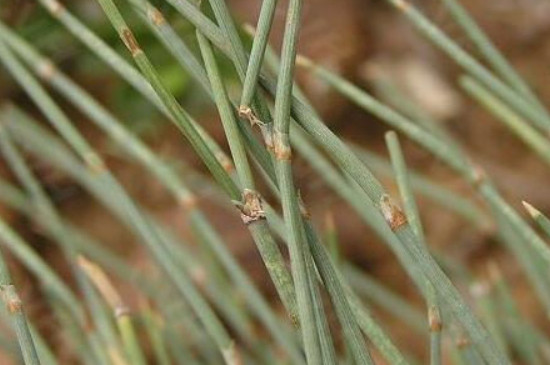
296, 235
259, 45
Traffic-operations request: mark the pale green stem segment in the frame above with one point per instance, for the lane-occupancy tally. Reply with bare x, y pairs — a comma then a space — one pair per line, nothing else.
542, 221
142, 227
467, 62
491, 54
136, 147
14, 308
478, 334
299, 252
176, 111
257, 53
413, 216
506, 115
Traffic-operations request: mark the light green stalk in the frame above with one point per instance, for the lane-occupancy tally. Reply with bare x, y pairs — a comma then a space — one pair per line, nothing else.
14, 308
491, 54
140, 151
542, 221
413, 216
154, 326
521, 336
261, 38
121, 312
468, 63
144, 230
369, 288
252, 217
506, 115
372, 187
454, 158
296, 235
364, 319
176, 111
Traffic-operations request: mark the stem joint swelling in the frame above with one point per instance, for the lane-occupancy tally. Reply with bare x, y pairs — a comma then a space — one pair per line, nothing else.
130, 42
156, 16
12, 301
246, 112
281, 146
392, 213
251, 207
434, 319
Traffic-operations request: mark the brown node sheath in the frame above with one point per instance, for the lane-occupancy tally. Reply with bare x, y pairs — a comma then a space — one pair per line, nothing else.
247, 113
281, 147
393, 215
434, 319
14, 305
156, 16
130, 41
251, 209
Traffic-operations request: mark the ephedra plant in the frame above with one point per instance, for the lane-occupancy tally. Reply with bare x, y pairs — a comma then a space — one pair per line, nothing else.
222, 316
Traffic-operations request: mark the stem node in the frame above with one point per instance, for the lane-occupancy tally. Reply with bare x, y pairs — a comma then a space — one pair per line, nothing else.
281, 146
14, 304
434, 319
393, 215
156, 16
251, 207
46, 69
130, 42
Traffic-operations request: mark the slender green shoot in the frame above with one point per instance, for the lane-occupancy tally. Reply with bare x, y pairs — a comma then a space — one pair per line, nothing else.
14, 308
